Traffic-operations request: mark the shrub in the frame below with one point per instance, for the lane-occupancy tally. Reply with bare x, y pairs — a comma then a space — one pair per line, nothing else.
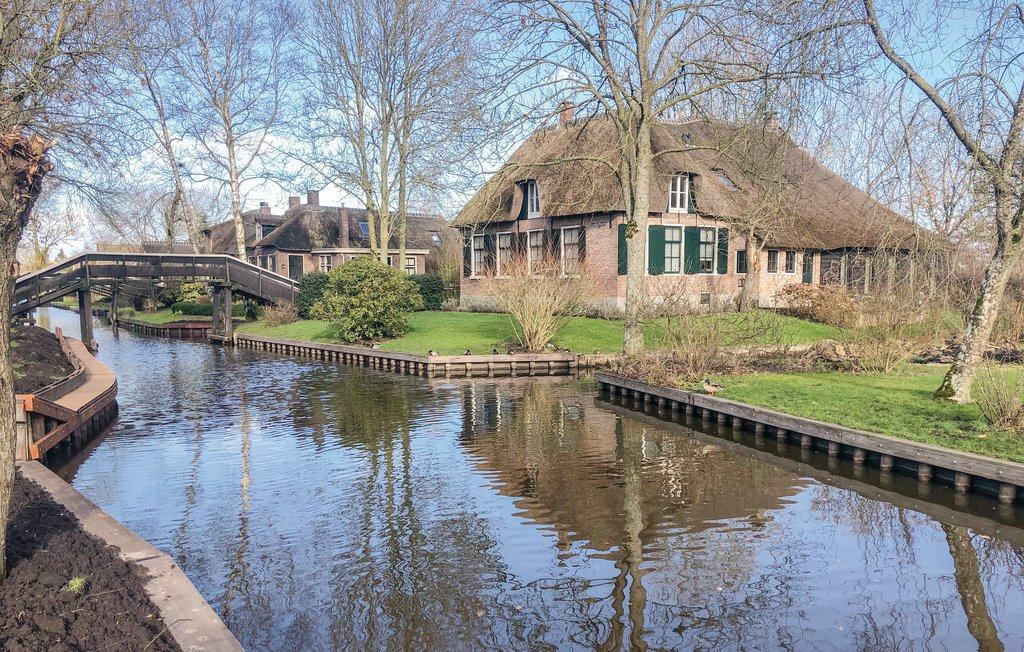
311, 290
1001, 398
279, 314
1009, 327
204, 310
431, 287
190, 293
126, 312
366, 299
828, 304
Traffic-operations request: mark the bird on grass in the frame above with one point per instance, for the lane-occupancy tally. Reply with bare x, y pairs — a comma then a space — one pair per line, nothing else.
494, 351
511, 352
431, 353
711, 388
375, 346
467, 352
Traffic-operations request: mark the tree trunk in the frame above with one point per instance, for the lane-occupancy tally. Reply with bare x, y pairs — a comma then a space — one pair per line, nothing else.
236, 209
956, 386
23, 165
750, 295
636, 262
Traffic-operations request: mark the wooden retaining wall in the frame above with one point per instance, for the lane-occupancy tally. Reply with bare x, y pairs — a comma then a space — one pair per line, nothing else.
69, 412
438, 366
185, 330
964, 471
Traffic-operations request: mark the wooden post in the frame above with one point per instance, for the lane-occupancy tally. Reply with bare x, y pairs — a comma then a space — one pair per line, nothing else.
781, 434
924, 472
859, 455
85, 318
1007, 493
806, 441
758, 428
220, 330
885, 463
961, 482
833, 449
737, 423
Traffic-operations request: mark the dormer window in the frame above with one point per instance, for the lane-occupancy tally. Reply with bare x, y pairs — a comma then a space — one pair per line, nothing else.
679, 194
435, 237
532, 196
364, 228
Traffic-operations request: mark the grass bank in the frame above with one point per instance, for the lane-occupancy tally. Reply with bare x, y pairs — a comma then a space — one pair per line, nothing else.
164, 317
899, 404
451, 333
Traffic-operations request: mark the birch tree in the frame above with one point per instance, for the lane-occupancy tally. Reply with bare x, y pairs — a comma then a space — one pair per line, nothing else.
395, 101
49, 50
640, 61
982, 104
232, 61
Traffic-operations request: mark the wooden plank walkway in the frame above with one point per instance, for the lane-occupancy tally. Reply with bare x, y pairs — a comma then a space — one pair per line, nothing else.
965, 471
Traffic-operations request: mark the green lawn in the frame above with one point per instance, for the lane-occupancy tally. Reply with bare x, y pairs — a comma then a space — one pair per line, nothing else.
451, 333
898, 404
164, 317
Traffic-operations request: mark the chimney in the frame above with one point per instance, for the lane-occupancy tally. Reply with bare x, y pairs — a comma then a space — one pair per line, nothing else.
293, 201
313, 197
343, 226
264, 208
566, 112
773, 121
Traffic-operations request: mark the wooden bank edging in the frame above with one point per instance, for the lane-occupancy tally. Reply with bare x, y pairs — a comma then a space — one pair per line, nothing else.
191, 621
965, 471
435, 366
184, 329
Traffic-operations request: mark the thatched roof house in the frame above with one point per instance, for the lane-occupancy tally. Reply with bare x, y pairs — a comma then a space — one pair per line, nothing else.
712, 184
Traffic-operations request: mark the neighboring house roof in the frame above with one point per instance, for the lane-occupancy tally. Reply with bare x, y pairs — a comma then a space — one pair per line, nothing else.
222, 234
307, 227
575, 170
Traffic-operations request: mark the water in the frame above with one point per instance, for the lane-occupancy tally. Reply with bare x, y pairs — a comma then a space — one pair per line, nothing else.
322, 507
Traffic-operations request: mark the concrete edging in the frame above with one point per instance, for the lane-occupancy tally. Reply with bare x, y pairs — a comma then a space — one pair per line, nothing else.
193, 624
967, 471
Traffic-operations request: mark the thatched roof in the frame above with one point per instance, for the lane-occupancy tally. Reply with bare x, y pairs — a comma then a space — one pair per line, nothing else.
307, 227
222, 234
742, 174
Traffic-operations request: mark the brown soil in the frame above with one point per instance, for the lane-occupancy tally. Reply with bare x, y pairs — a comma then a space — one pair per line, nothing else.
37, 358
46, 548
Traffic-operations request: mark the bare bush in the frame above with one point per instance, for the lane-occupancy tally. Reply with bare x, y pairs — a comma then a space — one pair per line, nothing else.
1009, 328
538, 296
828, 304
280, 314
1000, 396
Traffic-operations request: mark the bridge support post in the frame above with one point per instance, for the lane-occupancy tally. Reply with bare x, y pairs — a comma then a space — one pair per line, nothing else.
114, 296
221, 328
85, 319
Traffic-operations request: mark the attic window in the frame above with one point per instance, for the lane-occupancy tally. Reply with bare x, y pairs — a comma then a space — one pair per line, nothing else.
724, 179
364, 228
679, 193
436, 238
532, 195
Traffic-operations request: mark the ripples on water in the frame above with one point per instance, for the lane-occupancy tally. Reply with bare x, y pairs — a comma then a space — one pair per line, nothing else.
323, 507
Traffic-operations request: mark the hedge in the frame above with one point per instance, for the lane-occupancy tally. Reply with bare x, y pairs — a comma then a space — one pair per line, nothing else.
431, 287
204, 310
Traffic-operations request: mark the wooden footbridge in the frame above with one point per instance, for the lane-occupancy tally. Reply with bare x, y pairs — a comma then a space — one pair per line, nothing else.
113, 273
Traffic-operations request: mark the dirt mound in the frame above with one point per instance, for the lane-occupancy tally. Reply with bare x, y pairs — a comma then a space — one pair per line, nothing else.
37, 358
46, 549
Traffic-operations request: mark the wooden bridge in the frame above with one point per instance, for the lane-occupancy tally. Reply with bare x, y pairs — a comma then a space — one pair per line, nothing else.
113, 273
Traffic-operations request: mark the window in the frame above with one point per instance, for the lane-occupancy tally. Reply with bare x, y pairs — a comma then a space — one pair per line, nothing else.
536, 249
673, 249
791, 262
773, 261
724, 179
570, 250
268, 229
435, 237
272, 263
741, 262
705, 298
532, 199
252, 260
364, 228
679, 194
390, 262
504, 252
808, 270
263, 262
326, 262
479, 255
410, 265
707, 250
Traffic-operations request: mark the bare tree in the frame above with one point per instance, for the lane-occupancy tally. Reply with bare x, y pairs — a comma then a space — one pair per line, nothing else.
982, 104
232, 62
395, 100
48, 50
640, 61
49, 230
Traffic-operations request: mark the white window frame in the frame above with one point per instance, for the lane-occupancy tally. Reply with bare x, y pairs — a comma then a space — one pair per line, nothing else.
532, 198
435, 237
714, 249
679, 193
497, 245
473, 255
561, 252
682, 249
409, 267
529, 248
326, 262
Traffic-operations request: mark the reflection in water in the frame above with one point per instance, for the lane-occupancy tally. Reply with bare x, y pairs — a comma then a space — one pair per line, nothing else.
323, 507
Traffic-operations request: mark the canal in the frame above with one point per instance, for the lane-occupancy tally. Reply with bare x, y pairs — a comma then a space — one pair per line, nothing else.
322, 507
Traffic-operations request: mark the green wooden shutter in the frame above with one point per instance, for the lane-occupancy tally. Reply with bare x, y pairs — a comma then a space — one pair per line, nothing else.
655, 250
691, 250
693, 194
623, 260
467, 257
723, 251
582, 239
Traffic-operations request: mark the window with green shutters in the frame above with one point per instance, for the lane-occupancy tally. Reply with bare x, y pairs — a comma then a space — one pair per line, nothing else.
673, 249
691, 250
707, 250
655, 250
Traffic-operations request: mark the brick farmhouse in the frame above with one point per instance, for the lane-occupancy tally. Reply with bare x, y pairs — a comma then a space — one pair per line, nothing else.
714, 187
